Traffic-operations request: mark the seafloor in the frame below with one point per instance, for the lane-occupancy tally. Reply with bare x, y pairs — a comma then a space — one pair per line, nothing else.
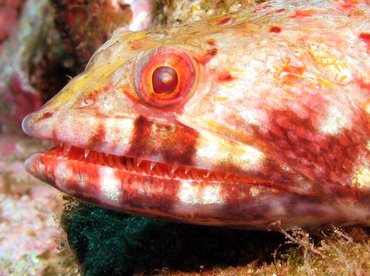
41, 44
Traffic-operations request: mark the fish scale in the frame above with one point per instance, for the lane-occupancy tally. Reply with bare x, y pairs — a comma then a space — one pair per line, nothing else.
263, 121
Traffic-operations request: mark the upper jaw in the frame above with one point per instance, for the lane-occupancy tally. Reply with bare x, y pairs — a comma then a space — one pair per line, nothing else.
81, 129
142, 138
168, 143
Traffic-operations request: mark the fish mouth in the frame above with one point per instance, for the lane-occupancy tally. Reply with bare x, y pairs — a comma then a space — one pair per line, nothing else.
63, 152
149, 188
182, 176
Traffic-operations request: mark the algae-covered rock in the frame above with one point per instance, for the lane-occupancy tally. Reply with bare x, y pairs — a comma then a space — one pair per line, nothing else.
107, 242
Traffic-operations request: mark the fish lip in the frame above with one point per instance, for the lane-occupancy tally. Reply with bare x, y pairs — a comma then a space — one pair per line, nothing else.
128, 164
147, 198
150, 199
44, 167
28, 163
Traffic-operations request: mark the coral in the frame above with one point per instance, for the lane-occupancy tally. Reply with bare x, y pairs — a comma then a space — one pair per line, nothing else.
85, 25
27, 58
170, 12
9, 12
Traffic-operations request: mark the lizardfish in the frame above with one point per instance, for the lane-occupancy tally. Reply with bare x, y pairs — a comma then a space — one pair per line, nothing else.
255, 119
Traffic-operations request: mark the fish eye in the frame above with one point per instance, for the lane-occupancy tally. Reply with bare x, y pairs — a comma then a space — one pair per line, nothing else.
164, 77
164, 80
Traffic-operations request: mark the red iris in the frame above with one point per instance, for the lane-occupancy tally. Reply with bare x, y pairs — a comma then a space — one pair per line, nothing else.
164, 77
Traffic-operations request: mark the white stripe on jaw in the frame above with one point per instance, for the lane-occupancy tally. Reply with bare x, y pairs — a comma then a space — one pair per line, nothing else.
192, 194
213, 151
118, 132
110, 186
61, 174
76, 131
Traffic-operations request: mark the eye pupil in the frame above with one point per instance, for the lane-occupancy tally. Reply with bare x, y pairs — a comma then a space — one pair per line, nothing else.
164, 80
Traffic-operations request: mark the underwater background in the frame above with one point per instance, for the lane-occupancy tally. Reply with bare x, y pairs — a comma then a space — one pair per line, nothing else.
42, 232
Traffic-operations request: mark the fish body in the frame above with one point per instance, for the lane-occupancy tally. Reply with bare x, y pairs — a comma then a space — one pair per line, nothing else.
255, 119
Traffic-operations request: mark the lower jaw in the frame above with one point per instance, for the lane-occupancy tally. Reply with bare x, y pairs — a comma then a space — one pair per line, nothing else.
210, 202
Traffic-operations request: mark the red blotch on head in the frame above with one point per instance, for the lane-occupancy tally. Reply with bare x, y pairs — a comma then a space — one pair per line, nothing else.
261, 7
302, 13
275, 29
292, 74
211, 42
203, 59
364, 85
297, 70
275, 11
365, 37
45, 116
225, 76
224, 21
349, 4
137, 45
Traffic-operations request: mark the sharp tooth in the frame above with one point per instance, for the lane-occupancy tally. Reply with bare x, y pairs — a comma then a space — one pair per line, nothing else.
87, 152
187, 169
138, 162
66, 148
194, 174
110, 160
152, 165
159, 172
117, 161
174, 167
129, 163
101, 158
218, 177
208, 174
124, 180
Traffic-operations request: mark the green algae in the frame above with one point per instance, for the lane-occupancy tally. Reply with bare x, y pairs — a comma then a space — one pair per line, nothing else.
110, 243
107, 242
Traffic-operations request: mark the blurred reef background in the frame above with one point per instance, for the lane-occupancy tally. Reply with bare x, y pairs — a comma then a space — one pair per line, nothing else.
42, 44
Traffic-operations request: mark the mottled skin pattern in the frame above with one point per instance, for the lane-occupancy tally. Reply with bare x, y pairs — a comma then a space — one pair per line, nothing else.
270, 129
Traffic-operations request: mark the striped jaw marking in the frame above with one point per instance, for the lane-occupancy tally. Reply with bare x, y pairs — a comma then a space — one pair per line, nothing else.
165, 170
224, 129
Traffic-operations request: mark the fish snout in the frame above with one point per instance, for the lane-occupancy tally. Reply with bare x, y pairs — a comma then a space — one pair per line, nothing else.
38, 124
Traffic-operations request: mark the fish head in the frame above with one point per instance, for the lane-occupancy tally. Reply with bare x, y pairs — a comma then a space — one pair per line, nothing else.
227, 121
